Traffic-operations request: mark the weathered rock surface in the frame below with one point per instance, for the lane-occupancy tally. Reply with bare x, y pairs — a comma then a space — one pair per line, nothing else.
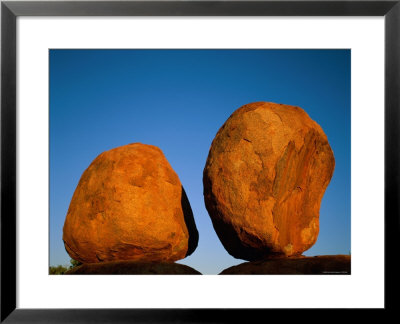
130, 205
265, 175
133, 268
324, 264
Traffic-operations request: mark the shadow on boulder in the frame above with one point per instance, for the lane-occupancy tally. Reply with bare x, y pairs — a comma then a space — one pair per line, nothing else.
323, 264
190, 223
132, 268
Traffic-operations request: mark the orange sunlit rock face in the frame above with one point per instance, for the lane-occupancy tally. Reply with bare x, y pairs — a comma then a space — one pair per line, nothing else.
265, 175
129, 205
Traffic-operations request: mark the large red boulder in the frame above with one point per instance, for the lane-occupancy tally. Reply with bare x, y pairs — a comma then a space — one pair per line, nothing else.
130, 205
265, 175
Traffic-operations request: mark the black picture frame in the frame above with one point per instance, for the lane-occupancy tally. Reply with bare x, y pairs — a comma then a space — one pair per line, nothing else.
10, 10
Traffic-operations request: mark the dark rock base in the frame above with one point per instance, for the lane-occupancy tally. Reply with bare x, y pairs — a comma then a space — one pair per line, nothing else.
323, 264
132, 268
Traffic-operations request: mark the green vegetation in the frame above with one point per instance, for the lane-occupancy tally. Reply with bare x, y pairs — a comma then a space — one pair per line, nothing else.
57, 270
74, 263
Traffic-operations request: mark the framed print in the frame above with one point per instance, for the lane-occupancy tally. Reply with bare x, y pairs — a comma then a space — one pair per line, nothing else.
264, 133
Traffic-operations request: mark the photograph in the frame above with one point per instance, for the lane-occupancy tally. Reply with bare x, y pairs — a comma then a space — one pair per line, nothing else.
199, 161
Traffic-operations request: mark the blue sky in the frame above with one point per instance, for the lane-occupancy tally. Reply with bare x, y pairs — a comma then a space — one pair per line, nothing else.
177, 100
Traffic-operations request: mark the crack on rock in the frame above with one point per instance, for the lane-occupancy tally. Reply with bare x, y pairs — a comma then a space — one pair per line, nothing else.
280, 118
99, 258
68, 248
137, 185
259, 156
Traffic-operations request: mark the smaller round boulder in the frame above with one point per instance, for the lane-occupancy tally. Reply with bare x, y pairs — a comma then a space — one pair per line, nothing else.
130, 205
